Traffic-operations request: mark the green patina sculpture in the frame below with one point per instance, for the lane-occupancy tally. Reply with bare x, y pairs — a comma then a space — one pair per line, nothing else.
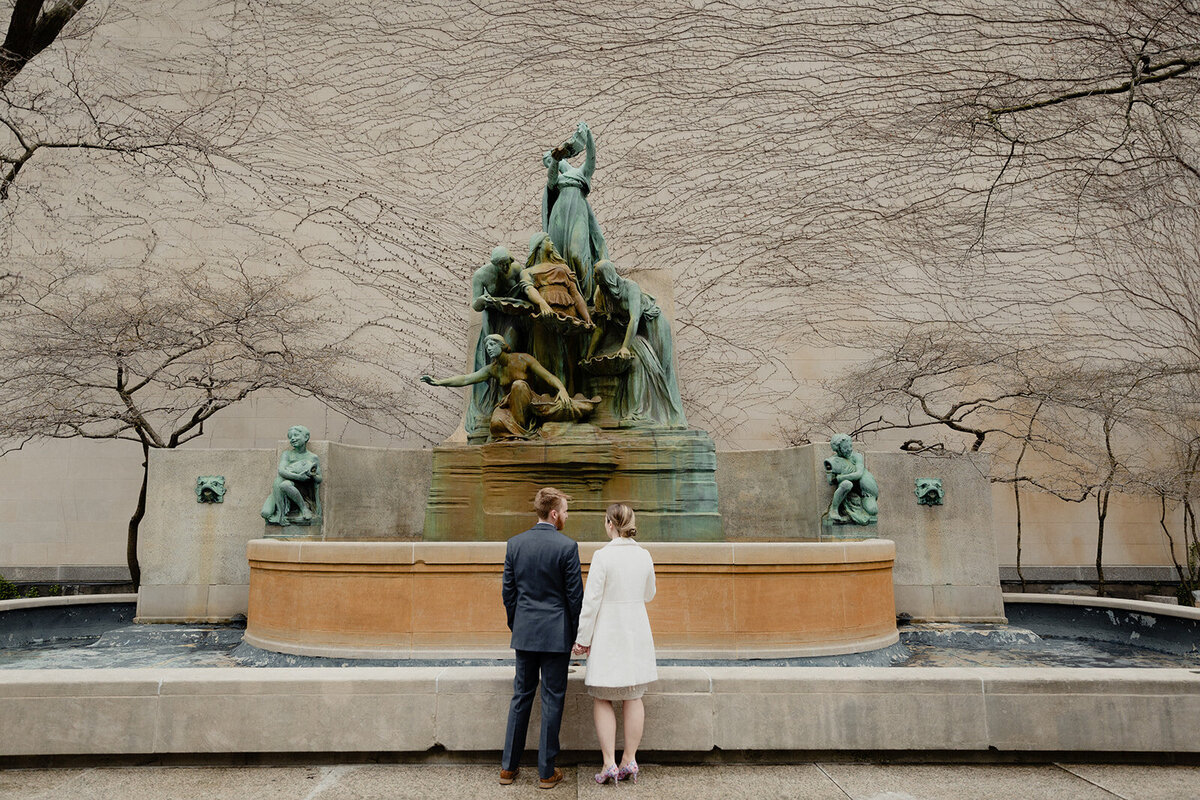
647, 393
294, 499
492, 289
929, 491
542, 314
856, 494
556, 333
210, 489
531, 382
521, 410
566, 215
550, 284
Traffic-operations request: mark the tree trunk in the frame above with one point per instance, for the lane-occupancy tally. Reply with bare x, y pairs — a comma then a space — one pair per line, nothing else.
1184, 594
1101, 513
1017, 488
1103, 492
1191, 543
131, 544
18, 42
1017, 498
31, 29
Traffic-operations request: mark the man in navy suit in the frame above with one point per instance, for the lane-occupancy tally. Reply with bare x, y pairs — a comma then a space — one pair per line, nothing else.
543, 592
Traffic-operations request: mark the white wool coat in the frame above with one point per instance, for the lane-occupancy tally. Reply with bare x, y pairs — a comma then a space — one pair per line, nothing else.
613, 622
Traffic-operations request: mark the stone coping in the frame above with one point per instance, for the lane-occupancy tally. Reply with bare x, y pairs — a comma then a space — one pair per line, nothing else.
689, 709
307, 551
1142, 606
672, 679
498, 651
71, 600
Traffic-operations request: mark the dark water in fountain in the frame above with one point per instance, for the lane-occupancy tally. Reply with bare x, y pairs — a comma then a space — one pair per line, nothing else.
82, 637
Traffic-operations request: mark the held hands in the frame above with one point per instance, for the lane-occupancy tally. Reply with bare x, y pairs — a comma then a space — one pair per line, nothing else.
580, 650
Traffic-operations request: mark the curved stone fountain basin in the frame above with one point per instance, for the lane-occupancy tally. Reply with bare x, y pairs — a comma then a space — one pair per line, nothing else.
388, 599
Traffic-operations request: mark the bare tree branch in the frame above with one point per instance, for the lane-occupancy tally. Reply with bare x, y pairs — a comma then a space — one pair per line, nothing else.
31, 29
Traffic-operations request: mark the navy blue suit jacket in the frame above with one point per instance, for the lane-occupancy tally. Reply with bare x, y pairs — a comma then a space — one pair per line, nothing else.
543, 589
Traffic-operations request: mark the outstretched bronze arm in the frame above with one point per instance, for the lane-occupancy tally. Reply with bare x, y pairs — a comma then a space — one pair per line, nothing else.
479, 376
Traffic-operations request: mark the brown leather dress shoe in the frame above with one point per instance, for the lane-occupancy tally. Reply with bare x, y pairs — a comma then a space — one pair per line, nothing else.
552, 781
507, 777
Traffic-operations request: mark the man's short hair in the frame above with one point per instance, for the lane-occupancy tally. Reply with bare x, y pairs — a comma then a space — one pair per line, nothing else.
547, 499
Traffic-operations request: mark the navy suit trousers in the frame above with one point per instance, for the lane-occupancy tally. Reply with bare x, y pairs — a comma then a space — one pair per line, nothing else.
553, 670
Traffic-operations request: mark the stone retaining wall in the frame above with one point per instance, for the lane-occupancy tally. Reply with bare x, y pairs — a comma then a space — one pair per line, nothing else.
362, 709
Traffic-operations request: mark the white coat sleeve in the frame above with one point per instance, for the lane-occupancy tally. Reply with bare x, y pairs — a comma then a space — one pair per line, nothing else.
650, 584
593, 593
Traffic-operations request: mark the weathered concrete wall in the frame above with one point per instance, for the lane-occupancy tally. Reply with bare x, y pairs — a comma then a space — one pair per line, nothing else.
152, 711
193, 555
65, 505
375, 493
68, 504
764, 494
946, 567
440, 173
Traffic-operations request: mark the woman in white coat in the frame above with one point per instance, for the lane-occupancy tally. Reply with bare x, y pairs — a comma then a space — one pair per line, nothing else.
614, 631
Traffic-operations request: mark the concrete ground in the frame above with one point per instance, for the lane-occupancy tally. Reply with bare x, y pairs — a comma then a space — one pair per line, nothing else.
812, 781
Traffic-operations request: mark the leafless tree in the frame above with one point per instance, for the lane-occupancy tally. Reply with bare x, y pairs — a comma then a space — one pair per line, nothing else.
1028, 184
151, 356
59, 108
1072, 424
801, 170
1172, 473
1012, 177
936, 376
1110, 412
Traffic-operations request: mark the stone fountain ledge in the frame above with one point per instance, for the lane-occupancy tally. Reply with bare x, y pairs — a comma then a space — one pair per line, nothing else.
48, 619
68, 600
435, 600
692, 709
1155, 626
1113, 603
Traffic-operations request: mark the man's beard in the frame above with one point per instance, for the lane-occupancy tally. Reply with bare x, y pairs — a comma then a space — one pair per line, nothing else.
558, 523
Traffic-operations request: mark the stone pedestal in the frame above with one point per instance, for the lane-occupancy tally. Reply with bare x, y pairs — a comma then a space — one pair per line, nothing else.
485, 492
606, 387
831, 532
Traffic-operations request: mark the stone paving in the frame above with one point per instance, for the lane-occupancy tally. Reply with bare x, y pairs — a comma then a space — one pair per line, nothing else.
812, 781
